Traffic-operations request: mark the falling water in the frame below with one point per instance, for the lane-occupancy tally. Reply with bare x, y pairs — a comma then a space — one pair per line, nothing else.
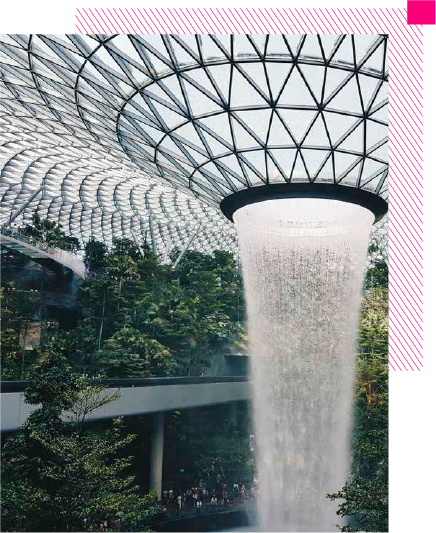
303, 263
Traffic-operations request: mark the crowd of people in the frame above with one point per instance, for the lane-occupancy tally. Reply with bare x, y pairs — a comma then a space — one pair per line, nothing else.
206, 497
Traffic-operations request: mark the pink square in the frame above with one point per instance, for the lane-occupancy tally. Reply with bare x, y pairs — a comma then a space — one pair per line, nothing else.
421, 12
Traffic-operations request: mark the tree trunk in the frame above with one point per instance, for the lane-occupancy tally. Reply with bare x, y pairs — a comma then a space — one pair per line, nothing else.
101, 324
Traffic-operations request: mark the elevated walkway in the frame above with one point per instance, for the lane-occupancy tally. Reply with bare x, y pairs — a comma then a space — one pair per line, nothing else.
52, 258
138, 397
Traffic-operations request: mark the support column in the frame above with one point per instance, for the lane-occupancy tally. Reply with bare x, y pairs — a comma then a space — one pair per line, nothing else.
157, 448
233, 414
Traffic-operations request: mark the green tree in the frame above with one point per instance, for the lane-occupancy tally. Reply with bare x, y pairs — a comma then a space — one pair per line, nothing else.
193, 312
17, 310
44, 231
130, 354
364, 498
58, 477
95, 254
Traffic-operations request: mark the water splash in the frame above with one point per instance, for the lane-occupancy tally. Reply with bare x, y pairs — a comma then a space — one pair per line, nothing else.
303, 262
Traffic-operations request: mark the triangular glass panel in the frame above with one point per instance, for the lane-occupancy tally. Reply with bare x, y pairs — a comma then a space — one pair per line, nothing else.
221, 76
199, 102
382, 152
317, 135
371, 168
256, 73
259, 41
102, 58
172, 83
243, 139
242, 47
299, 171
334, 79
221, 41
314, 76
344, 53
257, 120
274, 172
170, 118
210, 50
214, 145
362, 44
382, 94
314, 159
232, 163
326, 174
278, 136
368, 87
154, 49
183, 56
311, 47
343, 162
189, 133
294, 42
338, 124
296, 92
219, 126
328, 44
285, 158
381, 114
375, 61
347, 99
375, 132
249, 160
243, 93
277, 74
199, 76
354, 141
297, 121
257, 159
277, 47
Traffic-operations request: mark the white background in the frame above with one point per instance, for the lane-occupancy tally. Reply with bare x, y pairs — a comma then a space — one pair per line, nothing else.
412, 394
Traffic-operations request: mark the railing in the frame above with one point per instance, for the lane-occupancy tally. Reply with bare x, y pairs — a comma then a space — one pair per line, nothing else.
62, 257
21, 385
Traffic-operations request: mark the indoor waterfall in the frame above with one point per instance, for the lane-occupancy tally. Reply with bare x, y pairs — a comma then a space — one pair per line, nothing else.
303, 265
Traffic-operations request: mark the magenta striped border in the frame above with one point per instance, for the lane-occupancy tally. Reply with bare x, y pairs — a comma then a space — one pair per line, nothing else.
406, 127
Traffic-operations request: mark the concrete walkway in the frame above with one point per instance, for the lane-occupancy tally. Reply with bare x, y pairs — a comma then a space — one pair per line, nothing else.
179, 393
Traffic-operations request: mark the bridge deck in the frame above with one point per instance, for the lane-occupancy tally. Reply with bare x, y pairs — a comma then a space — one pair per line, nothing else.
19, 243
159, 394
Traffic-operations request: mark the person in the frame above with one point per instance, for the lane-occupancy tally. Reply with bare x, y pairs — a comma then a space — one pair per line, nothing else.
179, 502
199, 504
242, 491
235, 488
214, 501
171, 495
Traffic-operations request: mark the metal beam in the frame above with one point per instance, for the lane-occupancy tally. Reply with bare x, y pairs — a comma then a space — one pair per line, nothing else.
23, 207
185, 249
153, 240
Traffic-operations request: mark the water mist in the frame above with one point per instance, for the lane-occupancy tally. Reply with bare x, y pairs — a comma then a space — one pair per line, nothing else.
303, 264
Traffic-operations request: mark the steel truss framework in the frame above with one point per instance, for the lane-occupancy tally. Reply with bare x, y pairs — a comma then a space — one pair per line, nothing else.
109, 134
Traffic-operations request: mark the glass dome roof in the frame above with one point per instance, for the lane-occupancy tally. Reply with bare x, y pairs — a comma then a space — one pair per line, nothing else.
104, 132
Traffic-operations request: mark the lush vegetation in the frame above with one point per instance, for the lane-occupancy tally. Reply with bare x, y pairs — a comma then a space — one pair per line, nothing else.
140, 318
58, 477
50, 233
363, 501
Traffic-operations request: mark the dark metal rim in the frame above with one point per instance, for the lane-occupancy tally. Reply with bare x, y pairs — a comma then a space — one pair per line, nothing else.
377, 205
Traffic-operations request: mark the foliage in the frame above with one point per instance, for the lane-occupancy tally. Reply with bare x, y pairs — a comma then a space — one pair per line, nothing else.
364, 498
204, 443
142, 318
130, 354
17, 310
58, 477
95, 254
50, 233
